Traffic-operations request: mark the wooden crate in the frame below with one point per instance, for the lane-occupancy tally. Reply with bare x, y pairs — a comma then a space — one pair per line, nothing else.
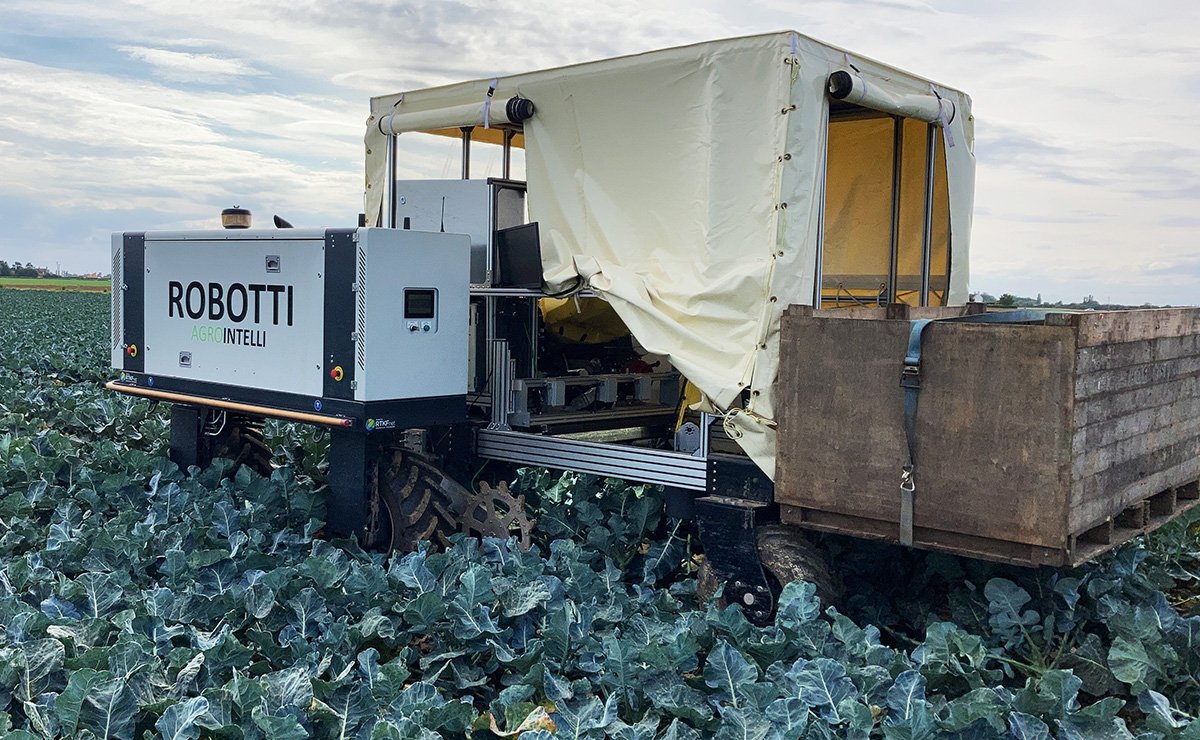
1038, 444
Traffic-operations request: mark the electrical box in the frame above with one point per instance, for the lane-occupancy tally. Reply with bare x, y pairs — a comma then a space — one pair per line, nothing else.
367, 323
477, 208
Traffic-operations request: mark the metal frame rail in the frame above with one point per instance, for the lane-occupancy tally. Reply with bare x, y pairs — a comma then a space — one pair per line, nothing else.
676, 469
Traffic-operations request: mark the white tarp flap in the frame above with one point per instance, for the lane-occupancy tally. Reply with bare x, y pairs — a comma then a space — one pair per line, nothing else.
657, 183
685, 186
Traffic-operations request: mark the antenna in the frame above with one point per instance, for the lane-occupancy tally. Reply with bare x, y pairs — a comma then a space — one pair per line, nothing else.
443, 214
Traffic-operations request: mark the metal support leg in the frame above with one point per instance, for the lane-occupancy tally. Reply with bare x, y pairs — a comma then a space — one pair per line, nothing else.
186, 442
350, 458
727, 533
500, 364
680, 503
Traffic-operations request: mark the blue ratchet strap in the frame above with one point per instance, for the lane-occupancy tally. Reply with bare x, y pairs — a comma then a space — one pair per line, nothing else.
910, 381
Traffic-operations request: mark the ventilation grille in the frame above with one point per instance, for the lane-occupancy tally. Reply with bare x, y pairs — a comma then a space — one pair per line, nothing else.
360, 310
117, 299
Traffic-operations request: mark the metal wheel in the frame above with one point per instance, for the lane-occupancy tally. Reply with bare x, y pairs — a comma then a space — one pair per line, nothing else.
239, 438
787, 555
494, 512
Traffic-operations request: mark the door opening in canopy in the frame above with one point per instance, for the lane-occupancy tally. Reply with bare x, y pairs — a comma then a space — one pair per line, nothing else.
886, 215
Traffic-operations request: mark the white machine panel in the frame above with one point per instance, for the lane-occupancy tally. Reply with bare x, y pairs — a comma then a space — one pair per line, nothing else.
453, 207
244, 310
472, 207
359, 321
411, 304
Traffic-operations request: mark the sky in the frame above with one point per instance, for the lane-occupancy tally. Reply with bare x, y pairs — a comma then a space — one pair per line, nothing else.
132, 116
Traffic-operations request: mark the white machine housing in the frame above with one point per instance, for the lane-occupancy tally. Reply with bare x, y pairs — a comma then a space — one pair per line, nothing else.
293, 316
477, 208
402, 351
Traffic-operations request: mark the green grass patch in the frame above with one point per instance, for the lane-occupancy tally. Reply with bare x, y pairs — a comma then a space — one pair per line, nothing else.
82, 284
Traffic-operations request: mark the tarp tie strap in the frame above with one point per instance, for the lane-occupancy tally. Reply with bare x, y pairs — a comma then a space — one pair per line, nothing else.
910, 382
794, 60
727, 421
487, 101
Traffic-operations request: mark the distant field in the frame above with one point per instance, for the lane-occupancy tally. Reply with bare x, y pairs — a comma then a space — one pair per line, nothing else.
81, 284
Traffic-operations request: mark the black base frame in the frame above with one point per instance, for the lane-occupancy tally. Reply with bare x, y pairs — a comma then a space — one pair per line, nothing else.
740, 499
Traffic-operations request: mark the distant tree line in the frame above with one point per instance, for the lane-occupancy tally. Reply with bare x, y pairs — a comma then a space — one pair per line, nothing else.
1008, 300
17, 269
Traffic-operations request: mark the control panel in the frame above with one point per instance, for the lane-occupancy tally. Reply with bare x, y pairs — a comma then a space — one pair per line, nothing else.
420, 310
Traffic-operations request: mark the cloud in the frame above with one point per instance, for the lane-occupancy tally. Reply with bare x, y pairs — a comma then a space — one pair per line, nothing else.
80, 145
182, 66
168, 110
996, 51
1182, 222
1017, 149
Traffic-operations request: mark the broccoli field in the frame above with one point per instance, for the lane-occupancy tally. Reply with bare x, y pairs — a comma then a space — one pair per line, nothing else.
139, 601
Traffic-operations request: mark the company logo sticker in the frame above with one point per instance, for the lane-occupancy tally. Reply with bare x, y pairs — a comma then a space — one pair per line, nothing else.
260, 305
379, 424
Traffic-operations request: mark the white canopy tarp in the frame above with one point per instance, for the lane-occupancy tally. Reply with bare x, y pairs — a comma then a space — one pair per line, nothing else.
684, 185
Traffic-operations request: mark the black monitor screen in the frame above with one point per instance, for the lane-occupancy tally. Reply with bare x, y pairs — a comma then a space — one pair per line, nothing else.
519, 253
419, 303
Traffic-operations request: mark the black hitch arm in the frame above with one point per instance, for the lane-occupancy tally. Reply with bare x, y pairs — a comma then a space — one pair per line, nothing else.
727, 533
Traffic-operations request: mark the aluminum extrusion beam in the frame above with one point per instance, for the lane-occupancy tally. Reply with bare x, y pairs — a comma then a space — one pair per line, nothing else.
618, 461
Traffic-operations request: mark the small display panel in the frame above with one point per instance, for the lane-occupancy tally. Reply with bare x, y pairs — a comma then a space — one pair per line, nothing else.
419, 303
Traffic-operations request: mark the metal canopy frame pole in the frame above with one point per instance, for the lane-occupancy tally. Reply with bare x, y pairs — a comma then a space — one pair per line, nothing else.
927, 240
820, 267
466, 152
391, 181
506, 167
897, 164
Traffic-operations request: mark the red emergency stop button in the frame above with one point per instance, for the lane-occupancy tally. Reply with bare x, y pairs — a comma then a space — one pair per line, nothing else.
336, 373
131, 350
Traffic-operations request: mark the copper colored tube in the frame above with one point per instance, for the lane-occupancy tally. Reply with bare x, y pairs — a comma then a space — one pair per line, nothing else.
329, 421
